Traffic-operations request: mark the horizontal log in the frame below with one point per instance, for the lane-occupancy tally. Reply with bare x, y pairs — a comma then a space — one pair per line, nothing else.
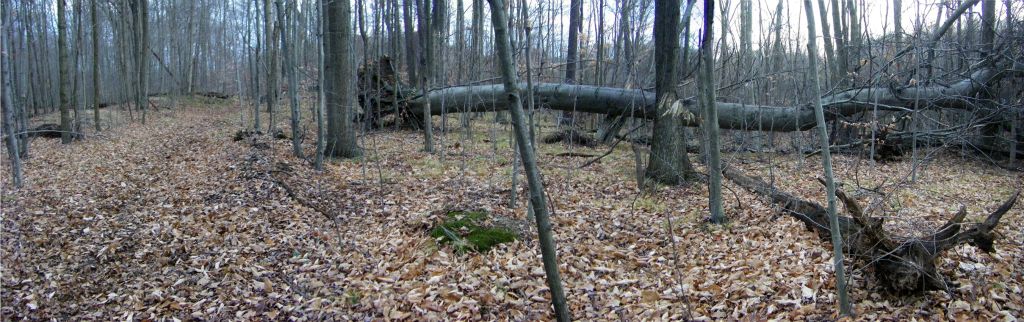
639, 103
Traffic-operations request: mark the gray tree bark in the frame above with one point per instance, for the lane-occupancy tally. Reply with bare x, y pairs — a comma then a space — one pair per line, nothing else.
897, 20
572, 53
426, 61
141, 60
826, 161
537, 199
707, 89
95, 66
339, 75
293, 83
668, 162
62, 52
830, 52
269, 31
734, 116
8, 108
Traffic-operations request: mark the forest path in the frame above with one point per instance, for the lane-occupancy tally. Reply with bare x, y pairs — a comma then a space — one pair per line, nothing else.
174, 219
162, 219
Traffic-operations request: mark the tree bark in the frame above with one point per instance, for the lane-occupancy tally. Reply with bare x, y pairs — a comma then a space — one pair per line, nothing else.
141, 60
901, 264
293, 84
8, 108
830, 52
269, 32
95, 66
426, 61
572, 54
537, 197
668, 162
897, 20
62, 52
734, 116
339, 74
826, 162
707, 89
410, 41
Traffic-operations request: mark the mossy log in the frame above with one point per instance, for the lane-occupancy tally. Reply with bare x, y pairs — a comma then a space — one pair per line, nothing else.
472, 231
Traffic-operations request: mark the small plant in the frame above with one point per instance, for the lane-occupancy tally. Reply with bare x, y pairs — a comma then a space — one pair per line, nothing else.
353, 297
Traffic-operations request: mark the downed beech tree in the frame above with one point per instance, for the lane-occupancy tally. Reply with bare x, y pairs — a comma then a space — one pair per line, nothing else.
902, 265
393, 97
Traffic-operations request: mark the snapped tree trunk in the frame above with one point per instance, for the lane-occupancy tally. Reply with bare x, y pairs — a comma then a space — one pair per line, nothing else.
668, 162
901, 264
641, 104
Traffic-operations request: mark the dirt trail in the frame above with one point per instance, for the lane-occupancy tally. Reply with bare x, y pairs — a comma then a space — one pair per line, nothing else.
150, 221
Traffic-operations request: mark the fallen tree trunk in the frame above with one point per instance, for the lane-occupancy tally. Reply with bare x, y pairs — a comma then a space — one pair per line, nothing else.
901, 264
735, 116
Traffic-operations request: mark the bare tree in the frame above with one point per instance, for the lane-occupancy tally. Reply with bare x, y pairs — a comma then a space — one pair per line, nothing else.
826, 162
95, 66
339, 75
8, 106
537, 199
293, 83
269, 33
425, 68
62, 49
668, 161
707, 89
141, 58
572, 53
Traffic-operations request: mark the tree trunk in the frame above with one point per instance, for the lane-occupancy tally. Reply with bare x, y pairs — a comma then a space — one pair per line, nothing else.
269, 32
62, 52
746, 26
897, 20
79, 73
293, 84
95, 66
853, 54
826, 162
572, 54
339, 74
141, 61
668, 162
734, 116
537, 197
8, 108
901, 264
838, 35
410, 41
321, 97
426, 60
830, 52
707, 89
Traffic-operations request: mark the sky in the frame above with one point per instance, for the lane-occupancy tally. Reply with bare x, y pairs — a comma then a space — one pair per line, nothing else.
876, 15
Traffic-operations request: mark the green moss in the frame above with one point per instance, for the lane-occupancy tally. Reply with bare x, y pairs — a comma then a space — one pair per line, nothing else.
464, 231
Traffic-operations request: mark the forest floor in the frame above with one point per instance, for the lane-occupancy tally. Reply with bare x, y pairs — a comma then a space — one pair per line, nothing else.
175, 220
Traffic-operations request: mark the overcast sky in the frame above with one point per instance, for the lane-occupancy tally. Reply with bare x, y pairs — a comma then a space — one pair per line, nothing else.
876, 16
